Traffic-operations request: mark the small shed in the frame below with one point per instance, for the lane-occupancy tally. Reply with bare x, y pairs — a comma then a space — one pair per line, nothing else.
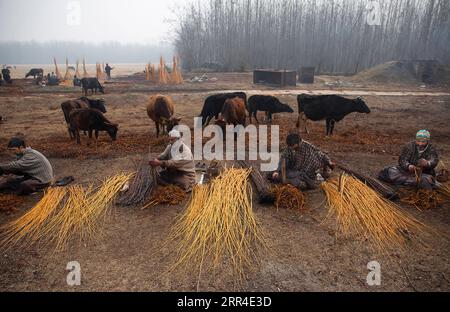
306, 75
276, 77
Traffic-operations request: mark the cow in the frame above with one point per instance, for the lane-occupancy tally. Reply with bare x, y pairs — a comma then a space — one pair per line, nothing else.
233, 111
214, 103
35, 72
332, 108
82, 102
7, 75
91, 84
160, 109
268, 104
89, 119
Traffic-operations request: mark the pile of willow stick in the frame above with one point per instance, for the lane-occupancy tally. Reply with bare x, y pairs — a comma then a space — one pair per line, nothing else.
62, 213
361, 211
219, 226
168, 194
143, 183
288, 196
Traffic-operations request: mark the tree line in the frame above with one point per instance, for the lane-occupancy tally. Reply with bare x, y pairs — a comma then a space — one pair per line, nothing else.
334, 36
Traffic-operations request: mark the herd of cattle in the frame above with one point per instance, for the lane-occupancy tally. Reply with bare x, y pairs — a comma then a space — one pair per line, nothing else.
227, 108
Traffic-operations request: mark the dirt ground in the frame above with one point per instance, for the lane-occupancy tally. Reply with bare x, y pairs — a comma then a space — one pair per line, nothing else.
305, 254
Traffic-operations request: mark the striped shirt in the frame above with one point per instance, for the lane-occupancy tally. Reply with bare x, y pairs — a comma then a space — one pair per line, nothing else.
31, 163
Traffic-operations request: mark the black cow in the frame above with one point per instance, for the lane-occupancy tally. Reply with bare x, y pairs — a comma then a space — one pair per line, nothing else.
82, 102
332, 108
214, 103
268, 104
88, 119
91, 84
35, 72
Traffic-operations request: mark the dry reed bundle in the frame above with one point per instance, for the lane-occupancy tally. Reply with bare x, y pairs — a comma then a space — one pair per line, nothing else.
168, 194
360, 210
67, 75
420, 198
153, 72
176, 76
143, 183
27, 228
147, 72
10, 202
85, 73
288, 196
163, 76
77, 71
57, 72
219, 225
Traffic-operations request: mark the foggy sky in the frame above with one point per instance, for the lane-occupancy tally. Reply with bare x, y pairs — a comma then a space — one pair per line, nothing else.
125, 21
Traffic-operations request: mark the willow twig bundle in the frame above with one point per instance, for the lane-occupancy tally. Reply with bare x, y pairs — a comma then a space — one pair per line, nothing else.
67, 75
27, 228
141, 185
288, 196
168, 194
77, 70
219, 225
57, 72
85, 73
422, 199
263, 187
444, 190
359, 210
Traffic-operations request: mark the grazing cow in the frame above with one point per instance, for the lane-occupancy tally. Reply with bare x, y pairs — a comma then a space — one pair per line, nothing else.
332, 108
160, 109
88, 119
233, 111
214, 103
267, 103
91, 84
35, 72
7, 75
82, 102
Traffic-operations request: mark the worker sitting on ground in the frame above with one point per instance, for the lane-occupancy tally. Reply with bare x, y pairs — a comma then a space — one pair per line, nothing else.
31, 171
177, 163
303, 162
415, 165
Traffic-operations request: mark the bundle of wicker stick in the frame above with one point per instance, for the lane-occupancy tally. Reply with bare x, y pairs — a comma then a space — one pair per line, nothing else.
168, 194
359, 210
62, 213
143, 183
218, 225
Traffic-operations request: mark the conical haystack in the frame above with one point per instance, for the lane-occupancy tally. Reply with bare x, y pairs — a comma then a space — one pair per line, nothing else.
67, 75
85, 73
57, 72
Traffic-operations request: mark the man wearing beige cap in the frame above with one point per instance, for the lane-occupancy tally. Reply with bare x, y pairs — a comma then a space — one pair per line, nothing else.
415, 165
177, 163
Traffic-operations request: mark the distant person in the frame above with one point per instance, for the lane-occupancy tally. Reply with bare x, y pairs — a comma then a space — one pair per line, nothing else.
108, 70
76, 81
52, 80
416, 164
29, 172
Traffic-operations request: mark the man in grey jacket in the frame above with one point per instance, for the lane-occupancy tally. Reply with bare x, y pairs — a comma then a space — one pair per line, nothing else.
29, 172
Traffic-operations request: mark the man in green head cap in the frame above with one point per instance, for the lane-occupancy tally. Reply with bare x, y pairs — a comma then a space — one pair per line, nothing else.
415, 165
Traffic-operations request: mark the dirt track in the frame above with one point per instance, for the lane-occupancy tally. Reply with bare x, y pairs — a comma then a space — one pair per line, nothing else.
305, 254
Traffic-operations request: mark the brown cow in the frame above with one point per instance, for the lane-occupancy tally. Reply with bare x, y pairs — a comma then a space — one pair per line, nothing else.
160, 109
82, 102
233, 111
89, 119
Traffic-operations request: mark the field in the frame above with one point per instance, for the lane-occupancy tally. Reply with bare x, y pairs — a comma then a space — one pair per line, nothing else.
304, 256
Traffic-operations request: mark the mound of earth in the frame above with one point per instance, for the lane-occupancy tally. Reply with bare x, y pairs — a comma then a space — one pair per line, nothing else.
409, 71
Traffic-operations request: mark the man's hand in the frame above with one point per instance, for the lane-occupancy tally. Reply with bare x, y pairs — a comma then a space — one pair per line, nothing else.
275, 175
412, 168
331, 164
155, 162
423, 162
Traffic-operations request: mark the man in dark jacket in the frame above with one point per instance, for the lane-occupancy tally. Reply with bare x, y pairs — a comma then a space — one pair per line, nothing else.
415, 165
30, 171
